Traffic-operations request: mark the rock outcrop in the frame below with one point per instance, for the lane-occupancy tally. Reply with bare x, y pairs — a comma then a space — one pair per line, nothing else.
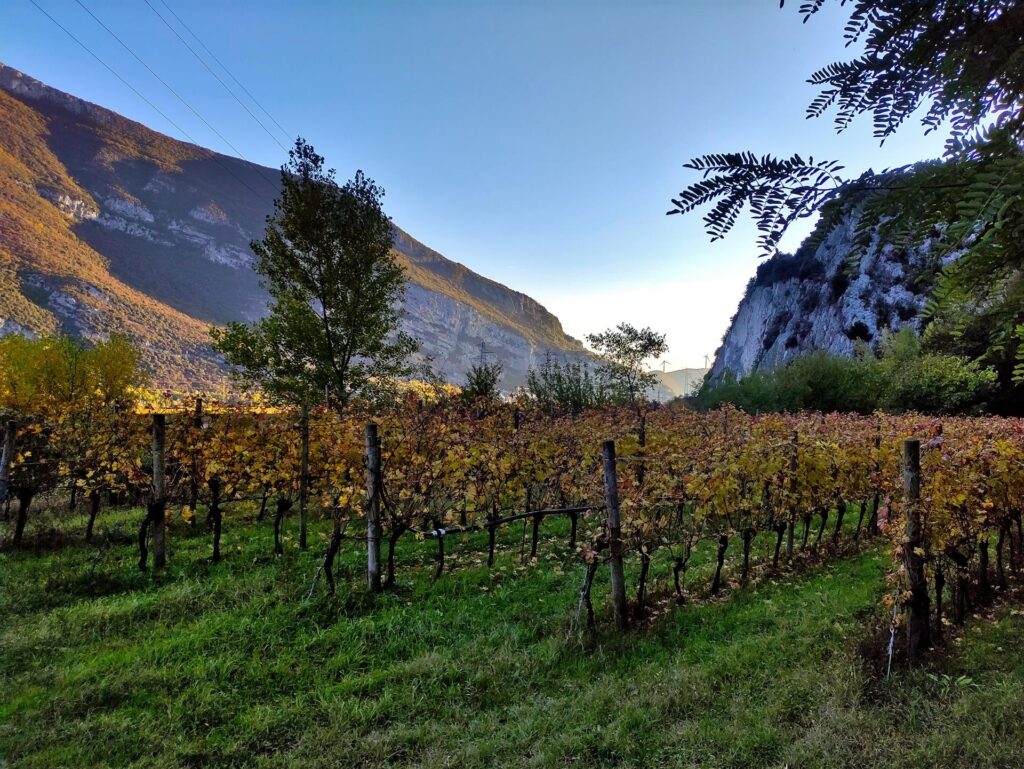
828, 296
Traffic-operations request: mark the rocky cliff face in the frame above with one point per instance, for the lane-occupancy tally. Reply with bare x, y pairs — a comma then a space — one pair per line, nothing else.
827, 296
107, 226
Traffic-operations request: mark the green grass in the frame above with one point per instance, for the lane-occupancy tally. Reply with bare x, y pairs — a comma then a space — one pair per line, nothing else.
229, 665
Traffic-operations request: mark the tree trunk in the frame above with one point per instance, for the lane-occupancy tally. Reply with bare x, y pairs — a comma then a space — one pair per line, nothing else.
94, 509
6, 458
490, 544
723, 544
984, 588
780, 531
263, 505
1000, 568
807, 531
332, 551
396, 534
24, 497
873, 520
216, 515
962, 586
840, 514
143, 536
588, 582
940, 583
748, 537
283, 506
1020, 536
860, 519
641, 587
821, 528
155, 512
440, 552
679, 577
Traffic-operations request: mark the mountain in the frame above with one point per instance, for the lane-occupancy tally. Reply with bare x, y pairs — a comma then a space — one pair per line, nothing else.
828, 295
108, 226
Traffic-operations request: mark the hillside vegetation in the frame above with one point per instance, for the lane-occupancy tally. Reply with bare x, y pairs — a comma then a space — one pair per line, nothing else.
111, 227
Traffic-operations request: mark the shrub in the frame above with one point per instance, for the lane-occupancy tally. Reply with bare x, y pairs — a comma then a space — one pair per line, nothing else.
482, 382
901, 378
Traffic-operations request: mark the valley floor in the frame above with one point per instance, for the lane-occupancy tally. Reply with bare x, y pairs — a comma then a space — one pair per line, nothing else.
229, 664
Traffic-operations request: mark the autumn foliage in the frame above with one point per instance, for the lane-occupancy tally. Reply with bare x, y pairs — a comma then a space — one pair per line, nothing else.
812, 485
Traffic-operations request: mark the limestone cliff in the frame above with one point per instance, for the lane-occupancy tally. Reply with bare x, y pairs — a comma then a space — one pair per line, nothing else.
825, 297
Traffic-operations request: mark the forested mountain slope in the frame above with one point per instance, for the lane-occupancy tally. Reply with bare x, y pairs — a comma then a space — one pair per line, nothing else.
108, 226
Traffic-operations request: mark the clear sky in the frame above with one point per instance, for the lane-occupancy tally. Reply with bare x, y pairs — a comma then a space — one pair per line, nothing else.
538, 142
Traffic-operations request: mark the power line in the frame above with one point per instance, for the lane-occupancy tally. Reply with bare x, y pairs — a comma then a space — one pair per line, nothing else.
138, 93
202, 61
228, 71
111, 69
166, 85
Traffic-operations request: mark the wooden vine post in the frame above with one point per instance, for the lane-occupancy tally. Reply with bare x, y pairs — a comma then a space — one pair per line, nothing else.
611, 494
158, 519
373, 528
918, 630
216, 514
794, 464
876, 498
303, 475
193, 495
6, 458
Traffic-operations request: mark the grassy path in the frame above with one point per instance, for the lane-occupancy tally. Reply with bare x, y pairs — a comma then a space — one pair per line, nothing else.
229, 665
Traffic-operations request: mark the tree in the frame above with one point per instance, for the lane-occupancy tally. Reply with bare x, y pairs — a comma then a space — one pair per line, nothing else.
912, 379
958, 62
482, 382
65, 398
624, 351
570, 387
902, 377
335, 290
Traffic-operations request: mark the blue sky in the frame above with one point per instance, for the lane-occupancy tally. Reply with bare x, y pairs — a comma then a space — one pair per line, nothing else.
537, 142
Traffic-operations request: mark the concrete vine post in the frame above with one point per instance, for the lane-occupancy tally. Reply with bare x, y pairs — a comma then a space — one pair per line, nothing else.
373, 527
611, 494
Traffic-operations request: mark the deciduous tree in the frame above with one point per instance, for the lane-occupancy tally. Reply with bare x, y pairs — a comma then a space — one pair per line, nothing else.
335, 287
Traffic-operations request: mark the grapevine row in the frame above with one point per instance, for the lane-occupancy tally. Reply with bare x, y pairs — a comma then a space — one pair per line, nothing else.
445, 468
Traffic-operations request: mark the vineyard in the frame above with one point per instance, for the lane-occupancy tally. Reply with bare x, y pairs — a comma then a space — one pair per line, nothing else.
647, 487
192, 581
